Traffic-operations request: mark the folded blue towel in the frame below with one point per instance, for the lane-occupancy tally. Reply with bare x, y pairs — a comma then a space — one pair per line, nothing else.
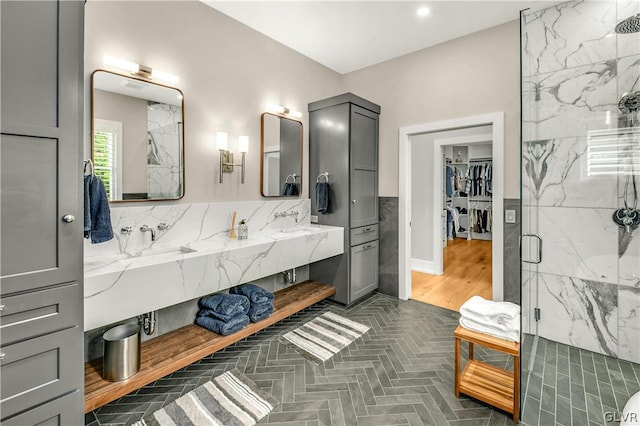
225, 304
323, 202
260, 311
223, 327
97, 216
215, 314
256, 294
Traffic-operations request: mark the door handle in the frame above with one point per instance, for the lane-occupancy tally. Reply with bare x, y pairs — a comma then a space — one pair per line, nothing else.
368, 246
536, 236
68, 218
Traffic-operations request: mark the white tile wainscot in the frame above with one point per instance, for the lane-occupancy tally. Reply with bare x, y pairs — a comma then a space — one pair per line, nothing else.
131, 275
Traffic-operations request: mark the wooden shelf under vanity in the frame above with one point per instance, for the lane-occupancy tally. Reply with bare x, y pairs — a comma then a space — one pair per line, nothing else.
170, 352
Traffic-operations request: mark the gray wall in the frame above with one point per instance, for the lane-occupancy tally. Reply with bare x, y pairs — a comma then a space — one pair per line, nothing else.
511, 266
388, 232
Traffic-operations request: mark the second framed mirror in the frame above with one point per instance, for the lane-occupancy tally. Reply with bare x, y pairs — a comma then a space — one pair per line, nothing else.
280, 156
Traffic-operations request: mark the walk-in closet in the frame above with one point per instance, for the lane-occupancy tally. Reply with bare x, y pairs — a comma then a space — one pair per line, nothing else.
465, 223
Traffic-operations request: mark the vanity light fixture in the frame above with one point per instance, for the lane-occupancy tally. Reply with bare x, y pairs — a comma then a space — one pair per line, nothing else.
278, 109
140, 70
226, 157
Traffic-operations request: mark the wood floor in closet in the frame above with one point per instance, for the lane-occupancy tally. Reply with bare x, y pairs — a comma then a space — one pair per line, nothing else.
467, 272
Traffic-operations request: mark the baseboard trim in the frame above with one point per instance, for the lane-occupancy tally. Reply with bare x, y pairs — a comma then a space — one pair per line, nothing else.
424, 266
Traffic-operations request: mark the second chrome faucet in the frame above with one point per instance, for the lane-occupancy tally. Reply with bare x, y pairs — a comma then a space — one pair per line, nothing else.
285, 214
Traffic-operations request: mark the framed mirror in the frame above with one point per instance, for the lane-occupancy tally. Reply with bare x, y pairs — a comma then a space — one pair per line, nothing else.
280, 156
137, 129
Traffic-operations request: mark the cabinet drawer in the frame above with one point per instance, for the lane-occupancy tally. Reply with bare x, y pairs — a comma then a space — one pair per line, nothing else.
40, 312
59, 412
364, 234
38, 370
364, 270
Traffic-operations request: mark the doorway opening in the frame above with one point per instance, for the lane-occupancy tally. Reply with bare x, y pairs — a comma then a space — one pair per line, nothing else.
424, 149
465, 222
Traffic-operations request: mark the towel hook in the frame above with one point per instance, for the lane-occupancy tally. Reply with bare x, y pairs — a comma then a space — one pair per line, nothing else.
89, 163
293, 176
325, 175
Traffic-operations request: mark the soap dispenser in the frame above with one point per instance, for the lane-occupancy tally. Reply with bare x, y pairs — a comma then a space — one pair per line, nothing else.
243, 230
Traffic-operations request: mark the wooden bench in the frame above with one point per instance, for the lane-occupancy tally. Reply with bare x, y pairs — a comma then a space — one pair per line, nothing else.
486, 382
172, 351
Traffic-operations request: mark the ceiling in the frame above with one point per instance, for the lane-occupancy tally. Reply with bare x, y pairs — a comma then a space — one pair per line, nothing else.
348, 35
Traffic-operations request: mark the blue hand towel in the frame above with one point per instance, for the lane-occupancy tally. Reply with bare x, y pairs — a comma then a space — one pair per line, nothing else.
225, 304
290, 188
260, 311
323, 202
256, 294
97, 216
223, 327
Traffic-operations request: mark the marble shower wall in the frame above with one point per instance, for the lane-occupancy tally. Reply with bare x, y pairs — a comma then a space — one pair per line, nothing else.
575, 68
164, 151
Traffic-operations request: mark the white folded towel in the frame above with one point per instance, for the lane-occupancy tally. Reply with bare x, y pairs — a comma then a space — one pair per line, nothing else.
512, 334
487, 311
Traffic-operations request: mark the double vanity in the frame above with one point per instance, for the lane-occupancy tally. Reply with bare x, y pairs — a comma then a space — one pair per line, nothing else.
132, 275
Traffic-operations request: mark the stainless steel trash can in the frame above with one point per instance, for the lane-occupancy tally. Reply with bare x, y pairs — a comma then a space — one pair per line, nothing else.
121, 352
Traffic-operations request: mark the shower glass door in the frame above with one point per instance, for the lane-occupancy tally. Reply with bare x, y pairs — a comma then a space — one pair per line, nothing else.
580, 239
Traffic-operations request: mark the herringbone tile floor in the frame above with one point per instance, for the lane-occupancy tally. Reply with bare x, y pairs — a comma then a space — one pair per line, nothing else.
399, 373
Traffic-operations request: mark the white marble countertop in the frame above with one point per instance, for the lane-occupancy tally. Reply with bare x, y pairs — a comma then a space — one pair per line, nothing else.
123, 285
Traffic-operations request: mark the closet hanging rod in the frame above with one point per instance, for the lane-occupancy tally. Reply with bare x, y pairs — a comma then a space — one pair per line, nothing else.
325, 175
481, 160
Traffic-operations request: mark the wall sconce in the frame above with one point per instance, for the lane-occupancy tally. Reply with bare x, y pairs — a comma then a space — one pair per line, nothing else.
140, 70
284, 110
226, 156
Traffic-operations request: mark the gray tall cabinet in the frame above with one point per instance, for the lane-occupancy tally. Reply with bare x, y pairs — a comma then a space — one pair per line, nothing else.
41, 361
343, 142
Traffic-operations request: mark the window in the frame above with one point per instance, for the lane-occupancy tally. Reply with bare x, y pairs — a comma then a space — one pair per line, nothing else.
107, 156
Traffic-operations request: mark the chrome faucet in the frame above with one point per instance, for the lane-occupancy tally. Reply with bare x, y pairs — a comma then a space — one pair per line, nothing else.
289, 213
147, 228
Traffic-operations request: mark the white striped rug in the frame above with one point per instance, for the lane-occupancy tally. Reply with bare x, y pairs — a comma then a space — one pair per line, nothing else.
230, 399
323, 337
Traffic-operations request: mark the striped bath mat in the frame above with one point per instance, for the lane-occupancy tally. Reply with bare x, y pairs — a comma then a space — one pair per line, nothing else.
229, 399
324, 336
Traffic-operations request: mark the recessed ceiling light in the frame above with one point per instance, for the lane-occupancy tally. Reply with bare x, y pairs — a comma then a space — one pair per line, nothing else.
423, 11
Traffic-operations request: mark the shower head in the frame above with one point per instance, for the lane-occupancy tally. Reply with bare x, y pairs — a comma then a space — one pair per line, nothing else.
629, 25
629, 102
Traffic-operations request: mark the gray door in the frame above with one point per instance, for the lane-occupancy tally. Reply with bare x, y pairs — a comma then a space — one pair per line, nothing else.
364, 164
39, 147
41, 182
364, 269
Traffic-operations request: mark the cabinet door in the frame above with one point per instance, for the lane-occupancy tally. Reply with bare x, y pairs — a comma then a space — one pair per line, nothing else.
364, 138
364, 164
38, 370
40, 143
364, 198
364, 270
54, 413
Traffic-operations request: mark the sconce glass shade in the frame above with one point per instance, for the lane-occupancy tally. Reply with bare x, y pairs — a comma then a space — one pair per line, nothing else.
294, 113
243, 143
165, 76
111, 61
278, 109
222, 141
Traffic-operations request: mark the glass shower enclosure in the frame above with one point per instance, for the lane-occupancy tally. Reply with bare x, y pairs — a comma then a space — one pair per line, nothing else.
580, 181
